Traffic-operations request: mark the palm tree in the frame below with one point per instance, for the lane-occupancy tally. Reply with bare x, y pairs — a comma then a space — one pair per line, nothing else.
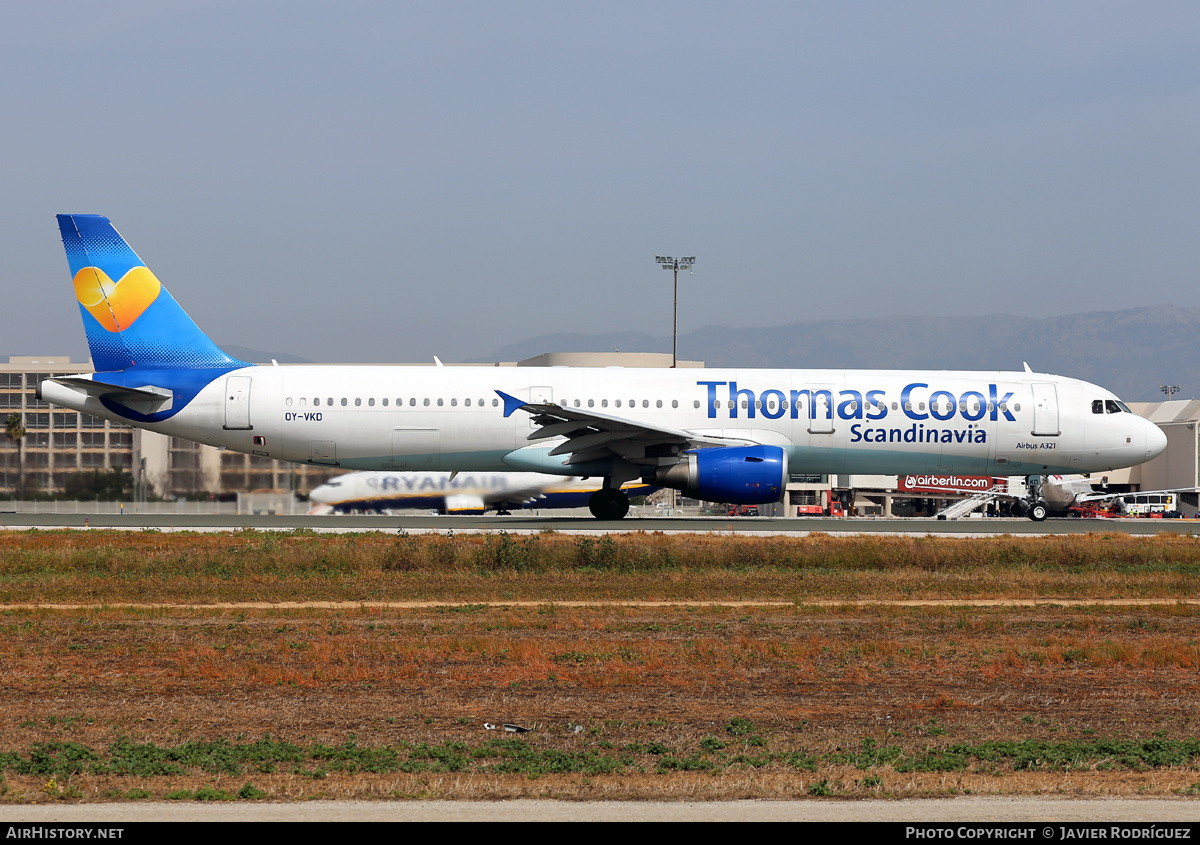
13, 432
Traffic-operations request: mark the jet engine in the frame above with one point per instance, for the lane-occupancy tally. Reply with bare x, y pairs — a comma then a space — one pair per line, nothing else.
742, 475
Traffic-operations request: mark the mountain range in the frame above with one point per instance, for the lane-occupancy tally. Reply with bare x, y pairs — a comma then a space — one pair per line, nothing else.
1132, 353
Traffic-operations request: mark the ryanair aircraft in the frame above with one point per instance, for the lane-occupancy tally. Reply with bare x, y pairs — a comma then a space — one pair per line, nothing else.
718, 435
457, 493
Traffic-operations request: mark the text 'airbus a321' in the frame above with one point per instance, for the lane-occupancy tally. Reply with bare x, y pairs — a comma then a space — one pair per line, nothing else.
723, 435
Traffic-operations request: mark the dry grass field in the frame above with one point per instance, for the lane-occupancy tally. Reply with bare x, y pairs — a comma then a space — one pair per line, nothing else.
160, 673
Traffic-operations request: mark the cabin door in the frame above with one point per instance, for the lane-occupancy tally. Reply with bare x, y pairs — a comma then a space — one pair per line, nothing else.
1045, 410
237, 403
821, 409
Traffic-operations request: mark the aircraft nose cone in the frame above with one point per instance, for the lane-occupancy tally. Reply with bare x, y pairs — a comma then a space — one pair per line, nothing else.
1156, 441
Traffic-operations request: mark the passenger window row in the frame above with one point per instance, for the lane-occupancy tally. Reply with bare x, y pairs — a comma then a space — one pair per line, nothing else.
331, 402
1099, 406
617, 403
413, 402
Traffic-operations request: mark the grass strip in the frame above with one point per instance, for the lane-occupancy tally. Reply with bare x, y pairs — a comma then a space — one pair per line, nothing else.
50, 566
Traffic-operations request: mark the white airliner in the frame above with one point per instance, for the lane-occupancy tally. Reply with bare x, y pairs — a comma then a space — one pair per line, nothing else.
727, 435
1050, 494
1061, 493
460, 493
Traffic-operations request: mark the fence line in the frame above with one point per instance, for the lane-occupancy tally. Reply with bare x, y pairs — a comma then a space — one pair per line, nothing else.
181, 507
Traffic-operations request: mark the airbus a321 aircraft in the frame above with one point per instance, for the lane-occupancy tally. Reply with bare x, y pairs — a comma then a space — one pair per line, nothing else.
456, 494
723, 435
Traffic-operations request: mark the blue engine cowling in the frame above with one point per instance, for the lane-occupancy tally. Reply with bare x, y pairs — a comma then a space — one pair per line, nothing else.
741, 475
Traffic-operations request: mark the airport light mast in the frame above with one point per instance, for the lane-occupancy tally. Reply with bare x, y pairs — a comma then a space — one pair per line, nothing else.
673, 264
1170, 390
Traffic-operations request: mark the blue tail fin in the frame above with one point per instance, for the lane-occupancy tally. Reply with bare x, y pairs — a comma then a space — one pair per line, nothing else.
130, 319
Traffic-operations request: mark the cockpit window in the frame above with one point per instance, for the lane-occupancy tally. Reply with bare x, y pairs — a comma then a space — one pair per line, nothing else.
1112, 407
1097, 406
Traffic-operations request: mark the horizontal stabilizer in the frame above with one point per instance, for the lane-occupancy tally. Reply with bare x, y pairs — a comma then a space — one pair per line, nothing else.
145, 400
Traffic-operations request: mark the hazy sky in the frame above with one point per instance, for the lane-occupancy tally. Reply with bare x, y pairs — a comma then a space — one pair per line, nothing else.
387, 181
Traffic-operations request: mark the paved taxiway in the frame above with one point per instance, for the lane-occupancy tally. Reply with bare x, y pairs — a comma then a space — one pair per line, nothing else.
518, 524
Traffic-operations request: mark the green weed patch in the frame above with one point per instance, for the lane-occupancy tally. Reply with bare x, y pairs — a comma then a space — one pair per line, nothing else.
544, 756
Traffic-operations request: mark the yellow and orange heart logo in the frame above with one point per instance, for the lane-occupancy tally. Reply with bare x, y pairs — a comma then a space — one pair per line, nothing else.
116, 305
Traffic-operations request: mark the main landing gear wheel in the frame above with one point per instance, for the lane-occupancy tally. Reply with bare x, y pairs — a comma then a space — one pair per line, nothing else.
609, 504
1037, 512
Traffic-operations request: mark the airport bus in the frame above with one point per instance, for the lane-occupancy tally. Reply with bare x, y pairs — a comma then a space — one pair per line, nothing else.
1145, 504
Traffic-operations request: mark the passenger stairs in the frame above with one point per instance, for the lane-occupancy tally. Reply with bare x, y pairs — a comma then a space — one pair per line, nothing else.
966, 506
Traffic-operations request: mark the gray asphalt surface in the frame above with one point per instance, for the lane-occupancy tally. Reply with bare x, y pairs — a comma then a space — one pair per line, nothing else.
515, 524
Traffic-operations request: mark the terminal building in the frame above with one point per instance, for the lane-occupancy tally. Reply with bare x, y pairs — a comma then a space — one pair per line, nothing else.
61, 445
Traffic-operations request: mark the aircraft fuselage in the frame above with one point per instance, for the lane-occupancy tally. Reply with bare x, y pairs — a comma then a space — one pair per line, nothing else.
827, 421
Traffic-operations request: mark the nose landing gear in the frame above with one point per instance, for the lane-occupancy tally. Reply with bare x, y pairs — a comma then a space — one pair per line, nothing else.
1033, 507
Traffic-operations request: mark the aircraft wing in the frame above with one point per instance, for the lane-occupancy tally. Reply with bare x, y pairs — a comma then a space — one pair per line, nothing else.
1099, 497
591, 435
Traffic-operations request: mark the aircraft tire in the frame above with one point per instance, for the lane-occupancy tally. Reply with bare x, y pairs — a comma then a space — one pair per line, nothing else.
609, 504
1038, 512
